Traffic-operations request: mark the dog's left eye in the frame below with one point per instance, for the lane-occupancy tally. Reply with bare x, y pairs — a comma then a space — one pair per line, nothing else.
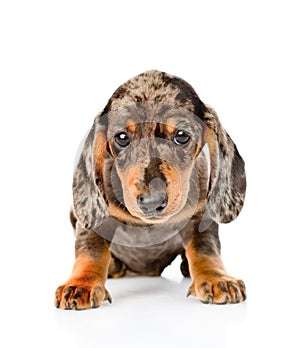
122, 139
181, 138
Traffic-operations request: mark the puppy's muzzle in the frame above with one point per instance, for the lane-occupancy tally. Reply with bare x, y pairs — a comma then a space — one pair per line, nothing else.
152, 203
154, 200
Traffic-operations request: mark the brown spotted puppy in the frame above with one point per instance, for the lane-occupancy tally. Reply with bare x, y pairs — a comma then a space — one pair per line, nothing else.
156, 175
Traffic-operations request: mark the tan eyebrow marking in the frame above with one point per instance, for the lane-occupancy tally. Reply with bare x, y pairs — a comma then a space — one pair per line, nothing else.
131, 126
170, 127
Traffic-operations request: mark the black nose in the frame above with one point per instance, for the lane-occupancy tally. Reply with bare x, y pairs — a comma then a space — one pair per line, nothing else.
152, 203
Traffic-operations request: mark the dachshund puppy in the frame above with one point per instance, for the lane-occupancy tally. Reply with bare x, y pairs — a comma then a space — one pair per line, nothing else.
156, 175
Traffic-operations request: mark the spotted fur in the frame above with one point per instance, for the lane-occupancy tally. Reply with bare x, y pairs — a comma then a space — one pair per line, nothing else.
114, 236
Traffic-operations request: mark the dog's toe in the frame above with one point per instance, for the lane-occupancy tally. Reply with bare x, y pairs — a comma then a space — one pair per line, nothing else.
76, 297
218, 290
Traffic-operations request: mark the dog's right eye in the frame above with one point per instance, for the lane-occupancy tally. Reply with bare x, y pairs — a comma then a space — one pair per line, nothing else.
122, 139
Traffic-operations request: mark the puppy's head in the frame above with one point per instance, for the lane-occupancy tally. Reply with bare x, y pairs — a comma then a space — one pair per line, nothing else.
153, 146
143, 156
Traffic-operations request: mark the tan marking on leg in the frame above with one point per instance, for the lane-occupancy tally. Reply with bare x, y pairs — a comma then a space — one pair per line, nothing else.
211, 283
85, 288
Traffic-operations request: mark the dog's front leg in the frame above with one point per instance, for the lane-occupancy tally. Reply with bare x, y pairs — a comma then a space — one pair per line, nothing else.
210, 281
86, 286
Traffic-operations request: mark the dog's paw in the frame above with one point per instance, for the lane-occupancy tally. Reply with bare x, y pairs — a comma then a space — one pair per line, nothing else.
219, 289
73, 295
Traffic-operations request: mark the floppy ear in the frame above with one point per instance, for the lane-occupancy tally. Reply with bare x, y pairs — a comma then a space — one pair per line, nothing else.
89, 202
227, 183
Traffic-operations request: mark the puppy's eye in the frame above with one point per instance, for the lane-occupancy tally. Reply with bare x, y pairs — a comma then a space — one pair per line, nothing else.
181, 138
122, 139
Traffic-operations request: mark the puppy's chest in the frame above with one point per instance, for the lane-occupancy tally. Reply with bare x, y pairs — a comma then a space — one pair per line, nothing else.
146, 251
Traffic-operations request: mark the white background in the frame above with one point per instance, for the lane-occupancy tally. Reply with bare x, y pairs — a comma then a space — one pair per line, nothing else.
60, 62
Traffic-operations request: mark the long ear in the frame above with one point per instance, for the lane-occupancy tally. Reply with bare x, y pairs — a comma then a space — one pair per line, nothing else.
89, 202
227, 183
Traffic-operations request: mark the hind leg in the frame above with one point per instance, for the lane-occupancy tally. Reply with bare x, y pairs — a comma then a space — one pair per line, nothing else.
117, 268
184, 266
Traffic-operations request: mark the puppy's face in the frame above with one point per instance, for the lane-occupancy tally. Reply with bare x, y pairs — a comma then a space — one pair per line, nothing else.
154, 147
